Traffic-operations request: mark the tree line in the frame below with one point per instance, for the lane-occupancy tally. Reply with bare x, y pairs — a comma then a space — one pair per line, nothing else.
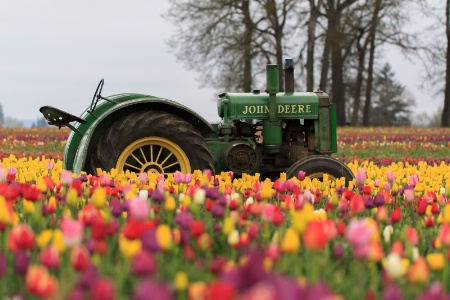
10, 122
337, 45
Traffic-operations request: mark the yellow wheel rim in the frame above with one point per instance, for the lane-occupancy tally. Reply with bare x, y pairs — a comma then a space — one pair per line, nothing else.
153, 154
319, 176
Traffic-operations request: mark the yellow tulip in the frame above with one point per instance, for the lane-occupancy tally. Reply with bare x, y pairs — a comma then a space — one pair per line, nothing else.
181, 281
129, 248
436, 261
164, 236
290, 242
228, 226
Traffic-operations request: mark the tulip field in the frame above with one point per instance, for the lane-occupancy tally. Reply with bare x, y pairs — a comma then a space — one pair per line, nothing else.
384, 235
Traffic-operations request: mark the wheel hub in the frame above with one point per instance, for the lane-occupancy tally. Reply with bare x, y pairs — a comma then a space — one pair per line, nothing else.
153, 154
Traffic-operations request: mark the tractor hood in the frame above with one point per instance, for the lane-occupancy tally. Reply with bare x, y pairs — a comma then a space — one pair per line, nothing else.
256, 105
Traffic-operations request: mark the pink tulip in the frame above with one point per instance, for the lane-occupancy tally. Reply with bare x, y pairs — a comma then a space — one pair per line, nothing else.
105, 180
142, 177
360, 177
72, 231
413, 180
268, 212
2, 175
66, 177
138, 209
409, 195
390, 176
301, 175
358, 232
187, 178
50, 165
178, 177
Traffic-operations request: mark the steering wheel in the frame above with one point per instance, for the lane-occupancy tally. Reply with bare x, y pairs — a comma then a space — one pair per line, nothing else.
97, 95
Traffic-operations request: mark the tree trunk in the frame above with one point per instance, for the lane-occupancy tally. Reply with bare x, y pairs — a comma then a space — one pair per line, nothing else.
358, 83
247, 55
325, 63
445, 122
314, 14
369, 84
337, 83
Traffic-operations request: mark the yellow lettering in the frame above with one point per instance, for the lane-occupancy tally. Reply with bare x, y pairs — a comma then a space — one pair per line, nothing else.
245, 110
266, 109
252, 109
293, 108
288, 109
300, 108
280, 109
308, 108
259, 109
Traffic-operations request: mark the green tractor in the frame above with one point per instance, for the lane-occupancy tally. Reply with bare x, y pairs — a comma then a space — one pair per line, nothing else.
261, 132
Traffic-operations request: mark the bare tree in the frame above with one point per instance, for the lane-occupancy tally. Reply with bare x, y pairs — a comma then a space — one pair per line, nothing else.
445, 121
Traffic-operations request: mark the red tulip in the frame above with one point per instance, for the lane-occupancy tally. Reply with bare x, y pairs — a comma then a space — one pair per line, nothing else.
197, 228
80, 258
40, 283
315, 236
49, 257
411, 236
444, 234
103, 289
396, 215
357, 204
221, 290
21, 237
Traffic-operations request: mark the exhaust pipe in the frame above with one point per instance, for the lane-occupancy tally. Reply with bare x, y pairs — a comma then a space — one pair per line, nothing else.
289, 83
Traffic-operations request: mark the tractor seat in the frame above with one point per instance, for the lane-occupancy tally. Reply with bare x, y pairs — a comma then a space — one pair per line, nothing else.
59, 117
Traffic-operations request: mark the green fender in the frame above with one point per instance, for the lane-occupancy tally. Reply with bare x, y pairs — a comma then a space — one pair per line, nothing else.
82, 141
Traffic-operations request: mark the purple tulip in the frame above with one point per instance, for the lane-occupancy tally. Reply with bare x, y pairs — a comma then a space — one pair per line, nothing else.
143, 264
158, 195
217, 211
319, 290
212, 193
149, 241
183, 219
116, 208
21, 262
87, 278
378, 200
83, 178
435, 291
392, 292
185, 237
223, 200
76, 295
157, 290
368, 202
3, 264
338, 251
217, 227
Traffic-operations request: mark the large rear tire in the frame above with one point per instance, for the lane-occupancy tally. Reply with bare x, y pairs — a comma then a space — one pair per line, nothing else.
154, 141
316, 166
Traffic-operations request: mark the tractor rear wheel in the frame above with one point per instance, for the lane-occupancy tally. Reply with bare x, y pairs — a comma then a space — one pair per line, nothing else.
316, 166
152, 141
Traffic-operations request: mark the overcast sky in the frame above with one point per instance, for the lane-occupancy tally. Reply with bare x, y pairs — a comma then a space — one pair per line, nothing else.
54, 52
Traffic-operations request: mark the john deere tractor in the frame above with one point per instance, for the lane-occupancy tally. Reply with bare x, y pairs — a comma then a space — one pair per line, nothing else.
264, 132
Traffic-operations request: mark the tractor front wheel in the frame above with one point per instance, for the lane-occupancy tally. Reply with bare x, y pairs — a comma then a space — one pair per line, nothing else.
152, 141
316, 166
